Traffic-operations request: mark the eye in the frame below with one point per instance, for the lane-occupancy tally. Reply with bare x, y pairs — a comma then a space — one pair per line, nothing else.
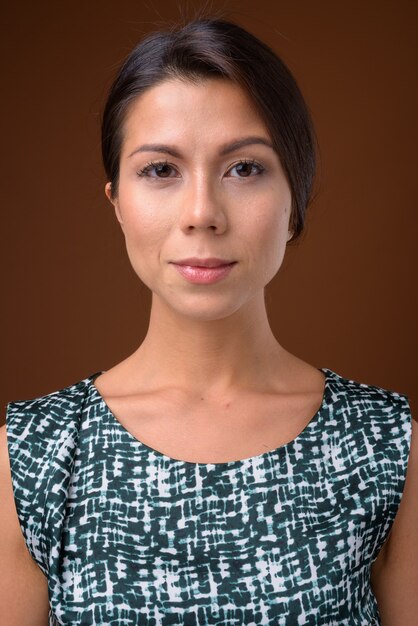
245, 167
162, 168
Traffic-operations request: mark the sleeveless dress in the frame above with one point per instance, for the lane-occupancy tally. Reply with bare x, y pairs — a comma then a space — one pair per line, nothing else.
129, 536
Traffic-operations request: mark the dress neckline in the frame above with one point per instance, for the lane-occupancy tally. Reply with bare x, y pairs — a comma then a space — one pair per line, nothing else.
282, 449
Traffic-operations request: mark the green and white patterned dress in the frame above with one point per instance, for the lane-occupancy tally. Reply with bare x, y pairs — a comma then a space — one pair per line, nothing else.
128, 536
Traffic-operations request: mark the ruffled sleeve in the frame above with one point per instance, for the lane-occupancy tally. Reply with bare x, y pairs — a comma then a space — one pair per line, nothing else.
42, 435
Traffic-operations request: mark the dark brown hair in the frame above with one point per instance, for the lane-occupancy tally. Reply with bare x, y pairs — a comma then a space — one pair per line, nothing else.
210, 47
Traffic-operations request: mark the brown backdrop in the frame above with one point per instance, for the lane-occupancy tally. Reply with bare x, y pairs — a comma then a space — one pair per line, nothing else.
345, 297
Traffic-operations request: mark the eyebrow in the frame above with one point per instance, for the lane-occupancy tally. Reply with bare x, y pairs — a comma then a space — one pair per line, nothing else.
225, 149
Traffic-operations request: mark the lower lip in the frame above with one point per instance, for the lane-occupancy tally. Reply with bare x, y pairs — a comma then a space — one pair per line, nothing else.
204, 275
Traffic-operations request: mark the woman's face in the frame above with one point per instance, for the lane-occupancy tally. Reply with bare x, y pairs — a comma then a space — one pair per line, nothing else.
193, 194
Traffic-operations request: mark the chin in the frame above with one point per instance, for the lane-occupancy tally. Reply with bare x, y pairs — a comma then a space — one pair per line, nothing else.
203, 308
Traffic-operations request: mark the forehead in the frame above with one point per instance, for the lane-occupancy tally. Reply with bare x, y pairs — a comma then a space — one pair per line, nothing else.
214, 108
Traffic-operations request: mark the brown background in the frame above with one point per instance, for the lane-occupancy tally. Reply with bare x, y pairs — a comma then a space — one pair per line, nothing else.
345, 297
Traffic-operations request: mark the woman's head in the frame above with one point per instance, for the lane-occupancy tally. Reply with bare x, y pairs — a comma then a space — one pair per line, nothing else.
199, 177
211, 48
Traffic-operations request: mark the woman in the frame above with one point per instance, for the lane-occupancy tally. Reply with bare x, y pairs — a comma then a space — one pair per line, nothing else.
212, 477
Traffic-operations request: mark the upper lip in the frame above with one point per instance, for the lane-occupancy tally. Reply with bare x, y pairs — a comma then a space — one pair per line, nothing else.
209, 262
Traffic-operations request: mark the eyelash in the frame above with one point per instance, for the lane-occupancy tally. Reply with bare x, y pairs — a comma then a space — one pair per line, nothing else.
144, 171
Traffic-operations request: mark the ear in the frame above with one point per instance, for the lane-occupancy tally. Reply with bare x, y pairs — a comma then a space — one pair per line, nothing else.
114, 201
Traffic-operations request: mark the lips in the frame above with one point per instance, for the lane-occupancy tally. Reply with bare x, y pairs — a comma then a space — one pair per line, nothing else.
204, 275
204, 262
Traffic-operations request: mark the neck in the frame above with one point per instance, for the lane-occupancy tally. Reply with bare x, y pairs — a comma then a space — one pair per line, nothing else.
213, 356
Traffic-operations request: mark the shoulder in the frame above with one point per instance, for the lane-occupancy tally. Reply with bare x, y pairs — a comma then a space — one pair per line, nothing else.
375, 425
372, 404
42, 434
356, 390
41, 417
64, 396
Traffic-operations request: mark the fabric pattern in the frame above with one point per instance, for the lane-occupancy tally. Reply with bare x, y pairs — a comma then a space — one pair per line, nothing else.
128, 536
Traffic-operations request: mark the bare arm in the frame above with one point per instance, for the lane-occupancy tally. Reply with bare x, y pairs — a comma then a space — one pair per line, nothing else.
394, 576
23, 586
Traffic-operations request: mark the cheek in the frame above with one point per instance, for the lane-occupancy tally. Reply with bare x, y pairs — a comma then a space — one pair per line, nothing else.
145, 232
267, 224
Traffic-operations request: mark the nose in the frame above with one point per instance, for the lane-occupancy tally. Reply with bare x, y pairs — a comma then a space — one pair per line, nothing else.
202, 207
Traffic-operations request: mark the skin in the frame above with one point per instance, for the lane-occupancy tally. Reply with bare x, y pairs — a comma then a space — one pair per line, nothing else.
212, 340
